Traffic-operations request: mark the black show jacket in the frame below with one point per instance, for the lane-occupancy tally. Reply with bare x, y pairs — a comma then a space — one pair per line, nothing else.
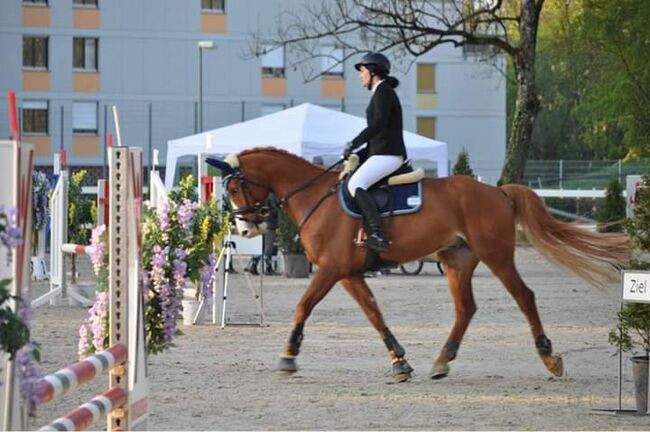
384, 132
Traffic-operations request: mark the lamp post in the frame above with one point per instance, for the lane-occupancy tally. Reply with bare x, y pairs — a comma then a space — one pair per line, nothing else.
203, 45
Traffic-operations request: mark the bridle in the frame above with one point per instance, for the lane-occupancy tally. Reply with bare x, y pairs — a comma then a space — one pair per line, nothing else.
259, 210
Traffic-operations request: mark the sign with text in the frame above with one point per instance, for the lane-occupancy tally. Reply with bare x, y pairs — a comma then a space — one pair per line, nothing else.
636, 286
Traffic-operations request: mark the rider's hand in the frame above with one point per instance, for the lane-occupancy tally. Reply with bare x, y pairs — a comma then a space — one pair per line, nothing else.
347, 151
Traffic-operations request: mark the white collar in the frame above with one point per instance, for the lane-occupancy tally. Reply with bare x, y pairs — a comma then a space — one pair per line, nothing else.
374, 87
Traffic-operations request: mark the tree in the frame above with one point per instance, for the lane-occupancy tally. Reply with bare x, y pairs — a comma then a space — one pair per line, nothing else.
560, 76
462, 166
415, 27
615, 111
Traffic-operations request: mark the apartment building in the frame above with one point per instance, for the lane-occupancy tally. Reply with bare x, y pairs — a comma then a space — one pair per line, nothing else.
174, 67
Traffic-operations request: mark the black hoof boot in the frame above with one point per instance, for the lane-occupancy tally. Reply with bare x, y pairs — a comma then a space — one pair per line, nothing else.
401, 371
287, 366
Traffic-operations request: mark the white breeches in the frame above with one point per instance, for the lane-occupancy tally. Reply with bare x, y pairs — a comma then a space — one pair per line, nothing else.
372, 170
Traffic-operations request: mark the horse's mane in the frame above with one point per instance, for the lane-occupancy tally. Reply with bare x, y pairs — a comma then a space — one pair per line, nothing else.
280, 152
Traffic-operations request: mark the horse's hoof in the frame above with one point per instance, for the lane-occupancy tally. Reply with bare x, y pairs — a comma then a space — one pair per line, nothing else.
554, 364
401, 371
439, 371
286, 366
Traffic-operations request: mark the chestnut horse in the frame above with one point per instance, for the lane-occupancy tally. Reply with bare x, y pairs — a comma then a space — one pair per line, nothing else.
462, 221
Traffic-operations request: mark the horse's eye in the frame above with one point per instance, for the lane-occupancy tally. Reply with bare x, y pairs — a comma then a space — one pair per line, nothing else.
234, 191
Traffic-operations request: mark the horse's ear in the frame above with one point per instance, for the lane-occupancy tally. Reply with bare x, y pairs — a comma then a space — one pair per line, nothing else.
225, 168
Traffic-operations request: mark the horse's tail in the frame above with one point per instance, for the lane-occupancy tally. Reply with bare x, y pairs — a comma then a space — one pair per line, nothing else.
593, 256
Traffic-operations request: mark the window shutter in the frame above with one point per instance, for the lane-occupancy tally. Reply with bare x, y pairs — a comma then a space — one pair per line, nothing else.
84, 116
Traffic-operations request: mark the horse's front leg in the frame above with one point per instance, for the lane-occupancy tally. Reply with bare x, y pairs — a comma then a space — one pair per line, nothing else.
359, 290
321, 283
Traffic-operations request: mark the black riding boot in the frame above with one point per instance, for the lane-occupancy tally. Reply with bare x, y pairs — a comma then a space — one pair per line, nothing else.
372, 222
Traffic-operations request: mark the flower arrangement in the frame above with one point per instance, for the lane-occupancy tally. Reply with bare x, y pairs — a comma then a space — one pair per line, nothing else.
180, 242
93, 333
15, 325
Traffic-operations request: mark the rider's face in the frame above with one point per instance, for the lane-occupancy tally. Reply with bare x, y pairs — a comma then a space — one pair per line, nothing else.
364, 76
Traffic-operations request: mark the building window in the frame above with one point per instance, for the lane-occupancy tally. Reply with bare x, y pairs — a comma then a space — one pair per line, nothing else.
331, 61
35, 117
35, 2
273, 62
213, 5
35, 52
426, 126
84, 117
426, 78
84, 54
85, 3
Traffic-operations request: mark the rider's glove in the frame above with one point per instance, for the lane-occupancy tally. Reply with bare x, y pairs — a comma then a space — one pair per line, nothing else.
347, 151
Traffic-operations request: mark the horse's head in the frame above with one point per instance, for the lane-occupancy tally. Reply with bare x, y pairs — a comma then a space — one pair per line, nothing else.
244, 195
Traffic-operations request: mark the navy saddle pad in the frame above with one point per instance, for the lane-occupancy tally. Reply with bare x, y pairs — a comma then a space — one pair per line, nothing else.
391, 200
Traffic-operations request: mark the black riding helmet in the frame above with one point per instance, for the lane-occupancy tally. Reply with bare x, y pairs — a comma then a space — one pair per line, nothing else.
378, 60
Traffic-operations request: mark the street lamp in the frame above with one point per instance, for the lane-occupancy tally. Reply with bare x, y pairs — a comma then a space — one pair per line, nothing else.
203, 45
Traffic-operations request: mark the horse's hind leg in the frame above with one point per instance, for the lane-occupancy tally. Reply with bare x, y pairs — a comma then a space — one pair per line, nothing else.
506, 271
460, 263
359, 290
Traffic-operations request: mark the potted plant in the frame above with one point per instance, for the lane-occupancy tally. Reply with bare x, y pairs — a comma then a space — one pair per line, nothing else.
632, 331
293, 254
632, 334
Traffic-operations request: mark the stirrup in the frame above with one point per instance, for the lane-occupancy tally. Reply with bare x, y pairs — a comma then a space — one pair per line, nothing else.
377, 243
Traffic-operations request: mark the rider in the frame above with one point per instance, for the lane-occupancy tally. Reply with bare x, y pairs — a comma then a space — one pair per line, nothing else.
386, 150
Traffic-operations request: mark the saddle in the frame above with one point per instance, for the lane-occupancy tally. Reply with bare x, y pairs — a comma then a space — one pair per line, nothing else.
396, 194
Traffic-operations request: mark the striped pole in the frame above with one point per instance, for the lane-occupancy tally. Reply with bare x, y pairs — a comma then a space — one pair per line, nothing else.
61, 382
76, 249
87, 414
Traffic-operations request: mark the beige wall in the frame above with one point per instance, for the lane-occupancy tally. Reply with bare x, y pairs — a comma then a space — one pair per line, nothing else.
274, 87
427, 101
214, 23
333, 87
41, 144
36, 16
86, 18
86, 82
85, 145
36, 81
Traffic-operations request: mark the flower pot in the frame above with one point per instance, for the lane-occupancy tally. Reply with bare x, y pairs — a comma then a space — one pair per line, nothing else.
296, 266
189, 311
640, 373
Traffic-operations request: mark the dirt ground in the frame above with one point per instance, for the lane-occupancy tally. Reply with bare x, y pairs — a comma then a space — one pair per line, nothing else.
222, 379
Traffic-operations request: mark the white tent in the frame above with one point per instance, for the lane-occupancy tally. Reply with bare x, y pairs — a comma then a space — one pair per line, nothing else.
306, 130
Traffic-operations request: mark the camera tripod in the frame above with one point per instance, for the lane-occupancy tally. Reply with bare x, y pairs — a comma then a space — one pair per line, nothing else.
224, 263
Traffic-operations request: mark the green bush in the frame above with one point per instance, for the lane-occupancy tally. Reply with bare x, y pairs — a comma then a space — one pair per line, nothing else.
288, 236
462, 166
611, 211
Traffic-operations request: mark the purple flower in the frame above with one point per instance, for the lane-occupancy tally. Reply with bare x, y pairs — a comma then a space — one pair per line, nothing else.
185, 213
94, 330
29, 375
207, 273
10, 233
25, 362
98, 249
163, 215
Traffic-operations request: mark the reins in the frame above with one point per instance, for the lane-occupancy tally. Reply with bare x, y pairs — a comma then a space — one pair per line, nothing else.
262, 210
